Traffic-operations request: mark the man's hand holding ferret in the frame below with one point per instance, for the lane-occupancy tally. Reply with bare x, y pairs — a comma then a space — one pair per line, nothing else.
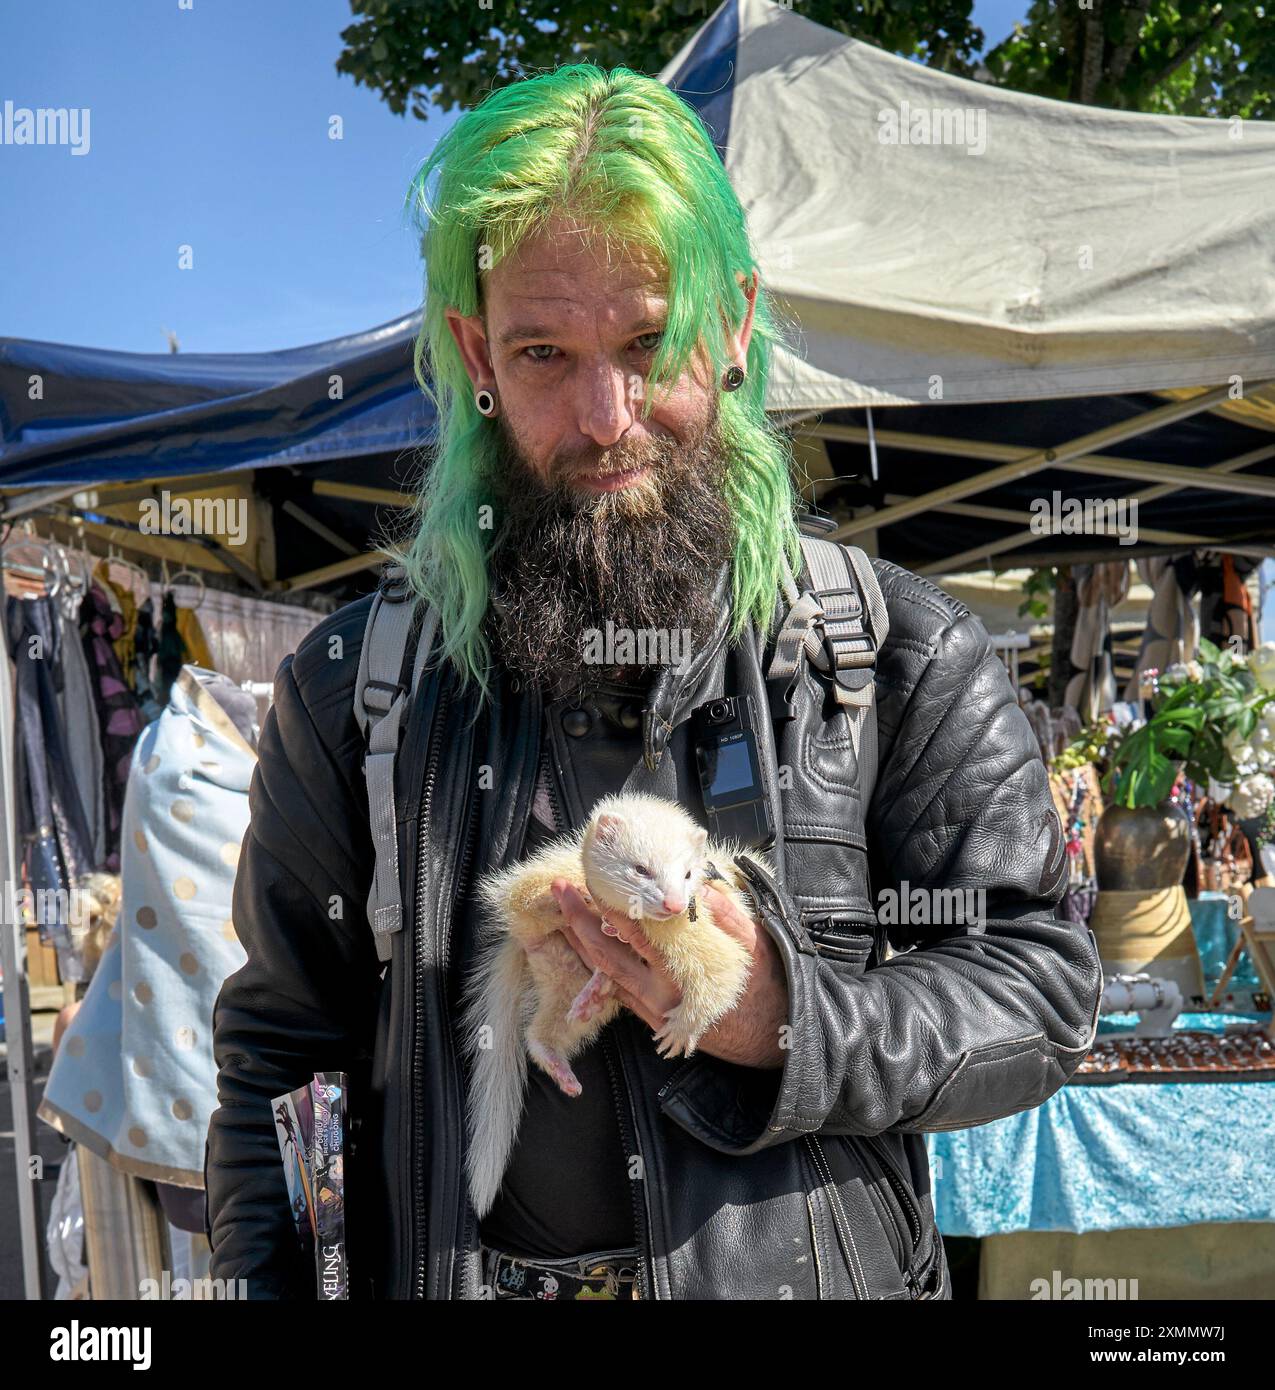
749, 1034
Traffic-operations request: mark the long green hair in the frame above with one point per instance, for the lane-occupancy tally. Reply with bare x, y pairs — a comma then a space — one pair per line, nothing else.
630, 159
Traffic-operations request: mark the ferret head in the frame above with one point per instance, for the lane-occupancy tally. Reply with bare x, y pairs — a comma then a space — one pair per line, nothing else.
643, 856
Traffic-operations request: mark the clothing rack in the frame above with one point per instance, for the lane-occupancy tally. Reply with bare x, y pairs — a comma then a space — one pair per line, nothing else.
40, 566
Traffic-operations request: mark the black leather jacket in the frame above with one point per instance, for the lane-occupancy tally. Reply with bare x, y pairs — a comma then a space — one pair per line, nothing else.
809, 1181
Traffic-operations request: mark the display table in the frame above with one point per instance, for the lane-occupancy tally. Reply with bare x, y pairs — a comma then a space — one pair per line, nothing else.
1133, 1159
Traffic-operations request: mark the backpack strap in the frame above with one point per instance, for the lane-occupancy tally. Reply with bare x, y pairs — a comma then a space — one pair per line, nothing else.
380, 703
838, 623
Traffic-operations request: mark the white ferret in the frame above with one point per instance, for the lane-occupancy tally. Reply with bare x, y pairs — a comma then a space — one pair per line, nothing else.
529, 995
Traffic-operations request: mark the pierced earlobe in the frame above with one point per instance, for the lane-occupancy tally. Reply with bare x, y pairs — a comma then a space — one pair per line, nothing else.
732, 378
486, 402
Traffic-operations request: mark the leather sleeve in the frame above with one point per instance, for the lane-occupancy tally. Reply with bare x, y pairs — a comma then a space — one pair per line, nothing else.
965, 1025
305, 999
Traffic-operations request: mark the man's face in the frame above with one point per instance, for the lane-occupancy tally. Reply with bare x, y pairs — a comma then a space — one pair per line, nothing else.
571, 330
601, 516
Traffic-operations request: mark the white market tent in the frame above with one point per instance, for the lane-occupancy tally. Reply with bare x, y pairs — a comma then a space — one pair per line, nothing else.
1011, 246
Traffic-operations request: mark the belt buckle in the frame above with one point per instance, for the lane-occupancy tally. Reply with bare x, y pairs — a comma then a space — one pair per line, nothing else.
611, 1282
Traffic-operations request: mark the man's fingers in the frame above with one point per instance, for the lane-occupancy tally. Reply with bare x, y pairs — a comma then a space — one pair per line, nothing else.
729, 918
638, 1007
628, 933
600, 952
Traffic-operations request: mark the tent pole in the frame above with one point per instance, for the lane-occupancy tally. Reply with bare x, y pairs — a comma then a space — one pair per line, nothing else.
339, 570
319, 529
1030, 559
1031, 462
1021, 519
17, 1012
1027, 537
357, 492
25, 502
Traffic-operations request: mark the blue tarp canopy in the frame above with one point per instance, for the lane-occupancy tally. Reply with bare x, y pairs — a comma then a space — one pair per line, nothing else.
1032, 352
72, 415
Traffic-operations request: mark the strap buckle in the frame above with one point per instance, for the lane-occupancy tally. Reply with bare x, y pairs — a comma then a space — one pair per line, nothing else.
845, 635
379, 696
394, 587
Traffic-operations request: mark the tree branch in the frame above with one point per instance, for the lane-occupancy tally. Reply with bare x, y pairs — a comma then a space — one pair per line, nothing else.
1135, 17
1189, 51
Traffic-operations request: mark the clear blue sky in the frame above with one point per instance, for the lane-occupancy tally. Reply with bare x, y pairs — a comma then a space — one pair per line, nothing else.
209, 128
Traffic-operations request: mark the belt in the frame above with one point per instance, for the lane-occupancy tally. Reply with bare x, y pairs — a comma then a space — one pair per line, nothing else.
607, 1274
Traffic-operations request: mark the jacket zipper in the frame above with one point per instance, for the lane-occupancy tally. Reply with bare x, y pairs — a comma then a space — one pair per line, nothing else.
621, 1093
897, 1182
418, 1038
418, 1005
551, 782
839, 1219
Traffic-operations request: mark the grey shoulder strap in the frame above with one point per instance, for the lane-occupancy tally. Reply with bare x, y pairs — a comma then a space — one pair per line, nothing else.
837, 623
380, 703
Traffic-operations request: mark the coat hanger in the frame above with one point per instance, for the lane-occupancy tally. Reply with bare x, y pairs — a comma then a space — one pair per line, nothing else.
27, 557
198, 578
133, 575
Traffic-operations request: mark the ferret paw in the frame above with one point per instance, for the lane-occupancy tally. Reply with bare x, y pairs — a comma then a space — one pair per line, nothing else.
557, 1067
592, 999
673, 1039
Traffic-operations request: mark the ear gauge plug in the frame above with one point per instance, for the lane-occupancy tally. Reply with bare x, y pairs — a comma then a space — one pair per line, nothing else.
486, 402
732, 378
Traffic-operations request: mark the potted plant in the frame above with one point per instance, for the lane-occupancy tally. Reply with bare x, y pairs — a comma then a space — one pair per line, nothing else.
1204, 714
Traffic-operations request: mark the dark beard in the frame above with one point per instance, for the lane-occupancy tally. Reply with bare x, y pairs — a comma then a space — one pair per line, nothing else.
567, 561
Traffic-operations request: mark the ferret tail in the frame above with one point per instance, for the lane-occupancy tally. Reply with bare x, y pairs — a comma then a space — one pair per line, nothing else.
496, 1016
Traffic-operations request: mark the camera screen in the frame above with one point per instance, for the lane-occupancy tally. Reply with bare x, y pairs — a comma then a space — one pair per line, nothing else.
733, 769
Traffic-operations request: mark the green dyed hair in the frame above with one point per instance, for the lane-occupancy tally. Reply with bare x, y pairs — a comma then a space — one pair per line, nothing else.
627, 157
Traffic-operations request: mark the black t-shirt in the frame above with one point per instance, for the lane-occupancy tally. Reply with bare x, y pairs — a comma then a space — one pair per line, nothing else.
566, 1190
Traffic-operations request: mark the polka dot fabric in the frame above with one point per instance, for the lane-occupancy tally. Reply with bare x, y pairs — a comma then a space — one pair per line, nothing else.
134, 1078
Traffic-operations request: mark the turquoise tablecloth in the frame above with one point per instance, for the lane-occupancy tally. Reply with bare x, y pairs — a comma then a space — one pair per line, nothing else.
1106, 1157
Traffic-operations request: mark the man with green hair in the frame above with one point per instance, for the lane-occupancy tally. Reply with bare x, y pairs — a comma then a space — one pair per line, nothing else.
605, 481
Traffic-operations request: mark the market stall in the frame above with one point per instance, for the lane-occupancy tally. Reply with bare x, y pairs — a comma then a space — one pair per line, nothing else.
172, 527
966, 398
939, 387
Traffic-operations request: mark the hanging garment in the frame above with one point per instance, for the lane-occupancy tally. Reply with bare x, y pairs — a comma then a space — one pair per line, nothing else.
249, 636
197, 653
1226, 610
64, 1236
172, 648
1099, 588
119, 717
1172, 632
79, 719
145, 649
134, 1080
125, 604
57, 844
1237, 604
